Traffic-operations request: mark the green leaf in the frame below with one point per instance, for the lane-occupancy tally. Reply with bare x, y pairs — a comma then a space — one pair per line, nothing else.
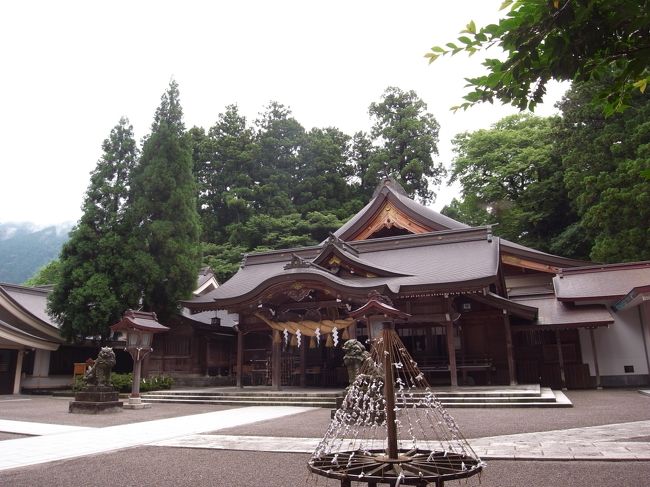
431, 56
505, 4
641, 84
471, 27
465, 40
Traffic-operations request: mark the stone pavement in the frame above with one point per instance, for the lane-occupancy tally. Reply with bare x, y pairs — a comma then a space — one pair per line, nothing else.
60, 445
589, 443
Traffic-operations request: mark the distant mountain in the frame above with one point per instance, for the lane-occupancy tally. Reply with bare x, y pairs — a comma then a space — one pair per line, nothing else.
25, 248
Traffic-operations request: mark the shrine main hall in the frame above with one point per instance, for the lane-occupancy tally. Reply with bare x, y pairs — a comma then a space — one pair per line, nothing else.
481, 310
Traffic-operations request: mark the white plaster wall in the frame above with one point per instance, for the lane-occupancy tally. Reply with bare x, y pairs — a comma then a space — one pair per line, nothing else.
41, 363
50, 382
618, 345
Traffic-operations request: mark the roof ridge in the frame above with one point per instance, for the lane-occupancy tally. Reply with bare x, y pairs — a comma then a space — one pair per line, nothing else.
643, 264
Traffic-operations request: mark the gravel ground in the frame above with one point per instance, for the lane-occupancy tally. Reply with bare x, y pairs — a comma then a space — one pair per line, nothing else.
11, 436
54, 410
591, 408
175, 467
161, 466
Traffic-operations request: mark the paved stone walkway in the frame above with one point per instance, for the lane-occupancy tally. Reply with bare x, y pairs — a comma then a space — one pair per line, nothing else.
589, 443
60, 445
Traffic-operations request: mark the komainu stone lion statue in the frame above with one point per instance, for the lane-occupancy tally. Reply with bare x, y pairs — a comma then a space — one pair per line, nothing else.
100, 373
355, 356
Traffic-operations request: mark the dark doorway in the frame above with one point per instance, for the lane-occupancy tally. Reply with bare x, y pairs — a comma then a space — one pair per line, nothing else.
7, 371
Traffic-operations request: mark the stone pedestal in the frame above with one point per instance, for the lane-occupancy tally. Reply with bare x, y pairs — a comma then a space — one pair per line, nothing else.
96, 400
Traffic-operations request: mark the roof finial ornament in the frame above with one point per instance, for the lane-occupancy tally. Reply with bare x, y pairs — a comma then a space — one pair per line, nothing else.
337, 242
377, 296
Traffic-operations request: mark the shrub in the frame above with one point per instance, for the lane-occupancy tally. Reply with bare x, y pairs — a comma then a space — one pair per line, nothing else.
124, 382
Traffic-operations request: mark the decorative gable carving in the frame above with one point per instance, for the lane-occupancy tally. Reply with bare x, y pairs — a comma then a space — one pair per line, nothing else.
389, 216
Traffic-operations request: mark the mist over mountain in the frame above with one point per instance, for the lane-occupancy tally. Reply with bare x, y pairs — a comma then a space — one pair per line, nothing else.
26, 247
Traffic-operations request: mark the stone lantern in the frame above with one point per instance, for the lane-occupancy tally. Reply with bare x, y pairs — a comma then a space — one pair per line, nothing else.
138, 328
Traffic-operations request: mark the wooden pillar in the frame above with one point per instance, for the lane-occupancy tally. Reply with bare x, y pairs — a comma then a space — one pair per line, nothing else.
303, 361
451, 351
207, 357
512, 375
276, 356
451, 345
240, 357
560, 357
19, 371
595, 354
352, 331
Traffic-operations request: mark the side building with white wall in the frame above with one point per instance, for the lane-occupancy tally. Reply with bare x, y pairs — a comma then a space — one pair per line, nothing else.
619, 353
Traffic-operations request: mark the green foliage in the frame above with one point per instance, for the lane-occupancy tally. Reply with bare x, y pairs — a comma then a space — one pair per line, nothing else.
408, 138
92, 290
511, 175
574, 40
48, 274
570, 186
124, 383
603, 159
165, 229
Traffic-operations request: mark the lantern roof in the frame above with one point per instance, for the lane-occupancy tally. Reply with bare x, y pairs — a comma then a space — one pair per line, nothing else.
139, 320
378, 305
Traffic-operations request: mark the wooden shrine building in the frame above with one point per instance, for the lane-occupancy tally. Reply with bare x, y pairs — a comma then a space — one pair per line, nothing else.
481, 309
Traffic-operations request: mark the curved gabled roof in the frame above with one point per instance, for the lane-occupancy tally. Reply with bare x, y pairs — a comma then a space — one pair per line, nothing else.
390, 191
332, 250
26, 308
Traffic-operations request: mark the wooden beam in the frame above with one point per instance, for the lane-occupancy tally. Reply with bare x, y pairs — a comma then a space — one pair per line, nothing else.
595, 354
528, 264
560, 357
509, 349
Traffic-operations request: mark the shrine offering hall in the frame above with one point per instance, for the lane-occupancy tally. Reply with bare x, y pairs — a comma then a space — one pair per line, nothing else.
481, 310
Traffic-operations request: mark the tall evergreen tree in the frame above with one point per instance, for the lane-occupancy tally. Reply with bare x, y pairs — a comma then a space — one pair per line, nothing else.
224, 162
280, 138
163, 213
603, 160
408, 138
91, 293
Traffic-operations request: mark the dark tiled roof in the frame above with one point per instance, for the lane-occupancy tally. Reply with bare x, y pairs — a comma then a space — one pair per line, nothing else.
555, 260
30, 299
448, 260
555, 313
601, 281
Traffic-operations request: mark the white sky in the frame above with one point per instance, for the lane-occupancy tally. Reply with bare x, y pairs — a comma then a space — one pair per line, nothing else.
71, 69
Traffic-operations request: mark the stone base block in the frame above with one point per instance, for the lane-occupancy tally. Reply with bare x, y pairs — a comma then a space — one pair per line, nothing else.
95, 407
142, 405
136, 403
97, 396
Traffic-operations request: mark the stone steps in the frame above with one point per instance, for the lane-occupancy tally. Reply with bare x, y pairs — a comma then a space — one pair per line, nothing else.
534, 396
